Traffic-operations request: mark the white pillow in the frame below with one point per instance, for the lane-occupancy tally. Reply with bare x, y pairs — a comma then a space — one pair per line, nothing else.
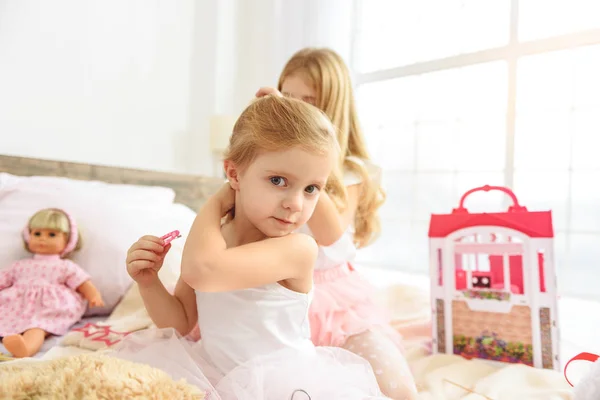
108, 226
121, 192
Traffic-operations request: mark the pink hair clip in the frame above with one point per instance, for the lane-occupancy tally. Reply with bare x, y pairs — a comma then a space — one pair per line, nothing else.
169, 237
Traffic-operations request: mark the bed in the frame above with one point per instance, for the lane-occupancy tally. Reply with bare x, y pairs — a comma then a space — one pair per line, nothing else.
186, 192
190, 190
173, 197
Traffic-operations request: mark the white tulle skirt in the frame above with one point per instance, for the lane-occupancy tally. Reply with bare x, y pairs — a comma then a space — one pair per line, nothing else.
323, 374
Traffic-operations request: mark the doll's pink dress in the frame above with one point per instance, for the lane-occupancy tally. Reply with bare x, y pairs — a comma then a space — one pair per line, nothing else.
40, 292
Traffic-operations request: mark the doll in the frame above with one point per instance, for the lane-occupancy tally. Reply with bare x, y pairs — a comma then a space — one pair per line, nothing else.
44, 295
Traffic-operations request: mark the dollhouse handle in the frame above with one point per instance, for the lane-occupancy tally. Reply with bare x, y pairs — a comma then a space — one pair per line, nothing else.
581, 356
515, 207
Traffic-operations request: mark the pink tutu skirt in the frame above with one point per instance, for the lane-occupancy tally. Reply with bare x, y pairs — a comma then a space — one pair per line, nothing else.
343, 306
323, 374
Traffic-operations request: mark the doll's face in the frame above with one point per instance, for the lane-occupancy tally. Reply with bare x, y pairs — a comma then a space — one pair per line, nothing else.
47, 241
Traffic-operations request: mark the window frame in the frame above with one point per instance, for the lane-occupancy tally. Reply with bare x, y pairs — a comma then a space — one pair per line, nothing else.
511, 53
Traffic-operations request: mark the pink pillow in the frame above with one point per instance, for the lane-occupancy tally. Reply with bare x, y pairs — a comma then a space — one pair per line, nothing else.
109, 224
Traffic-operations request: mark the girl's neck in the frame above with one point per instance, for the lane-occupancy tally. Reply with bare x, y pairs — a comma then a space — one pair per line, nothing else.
240, 231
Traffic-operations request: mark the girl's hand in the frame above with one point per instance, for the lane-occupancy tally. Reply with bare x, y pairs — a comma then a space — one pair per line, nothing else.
145, 258
226, 197
265, 91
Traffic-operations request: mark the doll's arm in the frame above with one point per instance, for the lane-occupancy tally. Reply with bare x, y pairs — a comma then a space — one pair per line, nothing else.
91, 294
79, 280
7, 277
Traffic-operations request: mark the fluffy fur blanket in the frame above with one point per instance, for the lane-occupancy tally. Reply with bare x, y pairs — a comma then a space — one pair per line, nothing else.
90, 376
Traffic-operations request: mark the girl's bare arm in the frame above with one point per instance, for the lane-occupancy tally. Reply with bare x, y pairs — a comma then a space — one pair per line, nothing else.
176, 311
209, 266
327, 224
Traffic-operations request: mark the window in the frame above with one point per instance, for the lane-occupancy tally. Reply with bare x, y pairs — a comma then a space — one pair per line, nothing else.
427, 29
454, 94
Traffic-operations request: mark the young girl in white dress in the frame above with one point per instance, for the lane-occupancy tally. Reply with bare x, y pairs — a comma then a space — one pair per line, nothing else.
248, 282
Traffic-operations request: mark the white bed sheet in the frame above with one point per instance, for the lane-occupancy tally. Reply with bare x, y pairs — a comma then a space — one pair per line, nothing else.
52, 341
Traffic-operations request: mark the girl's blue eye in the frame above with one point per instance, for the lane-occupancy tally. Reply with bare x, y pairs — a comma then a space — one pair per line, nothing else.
277, 181
311, 189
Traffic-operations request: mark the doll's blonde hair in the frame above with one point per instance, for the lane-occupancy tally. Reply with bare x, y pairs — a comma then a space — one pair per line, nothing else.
53, 219
274, 123
326, 72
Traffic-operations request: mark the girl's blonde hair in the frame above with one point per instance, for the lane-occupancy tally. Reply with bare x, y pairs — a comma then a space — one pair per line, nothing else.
274, 123
326, 72
54, 219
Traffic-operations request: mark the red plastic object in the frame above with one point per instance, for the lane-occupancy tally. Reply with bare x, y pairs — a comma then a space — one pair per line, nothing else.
535, 224
169, 237
583, 357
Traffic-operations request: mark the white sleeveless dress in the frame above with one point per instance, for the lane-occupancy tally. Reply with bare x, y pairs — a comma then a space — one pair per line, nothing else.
255, 345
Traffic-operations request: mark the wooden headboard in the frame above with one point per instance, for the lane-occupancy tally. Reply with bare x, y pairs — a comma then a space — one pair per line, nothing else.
191, 190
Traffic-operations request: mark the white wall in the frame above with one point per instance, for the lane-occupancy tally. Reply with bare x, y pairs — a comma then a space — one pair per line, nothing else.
133, 83
96, 81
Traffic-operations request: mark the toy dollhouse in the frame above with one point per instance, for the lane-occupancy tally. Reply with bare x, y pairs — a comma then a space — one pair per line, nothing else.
493, 285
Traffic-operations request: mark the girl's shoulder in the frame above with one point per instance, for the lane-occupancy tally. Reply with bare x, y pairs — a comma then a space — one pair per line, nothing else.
301, 242
351, 177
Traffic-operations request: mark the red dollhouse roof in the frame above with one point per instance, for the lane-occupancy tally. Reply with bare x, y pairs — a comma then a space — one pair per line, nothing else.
537, 224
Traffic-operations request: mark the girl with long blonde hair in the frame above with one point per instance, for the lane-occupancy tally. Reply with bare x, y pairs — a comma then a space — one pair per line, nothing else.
343, 312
